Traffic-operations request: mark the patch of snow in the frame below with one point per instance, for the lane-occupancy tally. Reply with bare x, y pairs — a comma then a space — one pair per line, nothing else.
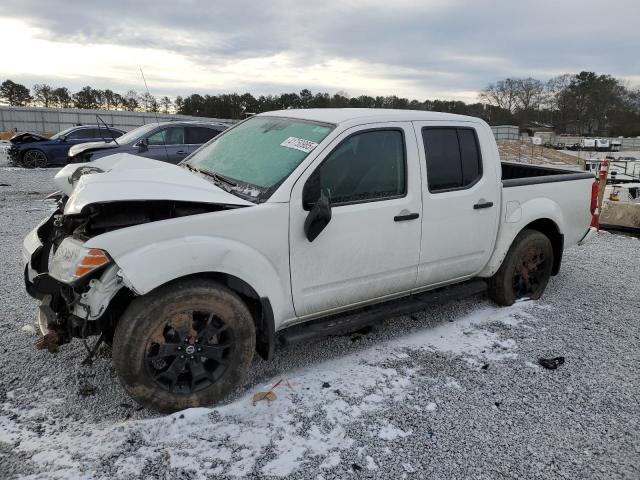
389, 432
30, 329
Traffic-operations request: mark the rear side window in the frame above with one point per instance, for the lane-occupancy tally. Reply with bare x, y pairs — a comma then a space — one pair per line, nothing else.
81, 134
453, 158
199, 135
366, 166
114, 133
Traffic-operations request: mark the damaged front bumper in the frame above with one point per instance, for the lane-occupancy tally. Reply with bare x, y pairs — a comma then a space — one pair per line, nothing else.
67, 310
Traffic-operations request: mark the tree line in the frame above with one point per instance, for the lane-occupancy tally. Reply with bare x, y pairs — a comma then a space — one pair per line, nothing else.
584, 103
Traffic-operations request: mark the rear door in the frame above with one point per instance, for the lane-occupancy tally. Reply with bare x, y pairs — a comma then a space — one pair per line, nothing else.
461, 200
371, 247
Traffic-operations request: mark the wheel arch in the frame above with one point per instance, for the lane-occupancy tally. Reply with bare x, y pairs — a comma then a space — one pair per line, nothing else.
259, 307
548, 225
550, 229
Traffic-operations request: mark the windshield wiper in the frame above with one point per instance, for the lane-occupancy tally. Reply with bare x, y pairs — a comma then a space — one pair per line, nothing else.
218, 179
216, 176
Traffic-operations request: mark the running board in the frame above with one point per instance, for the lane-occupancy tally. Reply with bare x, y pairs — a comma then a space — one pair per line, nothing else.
352, 321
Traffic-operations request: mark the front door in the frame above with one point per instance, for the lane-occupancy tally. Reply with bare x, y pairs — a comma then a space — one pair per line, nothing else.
461, 200
167, 145
371, 246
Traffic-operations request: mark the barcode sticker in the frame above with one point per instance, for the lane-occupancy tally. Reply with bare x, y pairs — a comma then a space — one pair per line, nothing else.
299, 144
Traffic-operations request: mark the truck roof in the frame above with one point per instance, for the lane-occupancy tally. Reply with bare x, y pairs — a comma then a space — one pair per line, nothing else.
344, 115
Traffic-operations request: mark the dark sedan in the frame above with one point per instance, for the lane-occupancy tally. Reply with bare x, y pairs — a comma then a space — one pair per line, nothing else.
32, 150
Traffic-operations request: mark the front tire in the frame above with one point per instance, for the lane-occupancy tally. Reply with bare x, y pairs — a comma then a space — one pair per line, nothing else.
34, 159
187, 344
525, 271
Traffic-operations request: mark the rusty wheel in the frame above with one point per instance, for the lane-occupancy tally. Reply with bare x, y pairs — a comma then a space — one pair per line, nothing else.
525, 271
529, 273
186, 344
190, 352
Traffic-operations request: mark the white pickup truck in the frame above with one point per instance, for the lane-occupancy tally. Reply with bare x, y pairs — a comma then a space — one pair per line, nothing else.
290, 224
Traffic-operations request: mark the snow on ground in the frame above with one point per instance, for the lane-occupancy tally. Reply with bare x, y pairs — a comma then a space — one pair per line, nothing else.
4, 158
449, 392
360, 383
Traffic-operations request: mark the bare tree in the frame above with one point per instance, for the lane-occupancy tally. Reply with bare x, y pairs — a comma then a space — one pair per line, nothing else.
503, 94
131, 101
166, 104
43, 94
61, 97
529, 93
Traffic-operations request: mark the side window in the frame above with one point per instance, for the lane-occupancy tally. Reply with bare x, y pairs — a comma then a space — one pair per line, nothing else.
199, 135
167, 136
365, 166
453, 158
80, 134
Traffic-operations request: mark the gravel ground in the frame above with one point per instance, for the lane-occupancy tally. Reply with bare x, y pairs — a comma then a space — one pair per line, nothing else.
453, 392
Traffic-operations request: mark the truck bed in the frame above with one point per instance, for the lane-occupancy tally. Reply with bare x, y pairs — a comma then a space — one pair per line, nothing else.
518, 174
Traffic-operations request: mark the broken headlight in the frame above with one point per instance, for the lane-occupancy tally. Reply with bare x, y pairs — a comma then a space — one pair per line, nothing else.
72, 261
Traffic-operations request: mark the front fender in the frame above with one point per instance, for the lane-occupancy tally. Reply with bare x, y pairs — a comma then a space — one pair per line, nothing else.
251, 244
514, 219
153, 265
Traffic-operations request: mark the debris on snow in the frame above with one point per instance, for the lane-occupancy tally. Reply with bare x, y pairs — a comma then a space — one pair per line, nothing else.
551, 363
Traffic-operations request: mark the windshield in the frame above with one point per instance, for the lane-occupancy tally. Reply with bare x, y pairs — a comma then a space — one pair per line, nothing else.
136, 133
259, 153
62, 133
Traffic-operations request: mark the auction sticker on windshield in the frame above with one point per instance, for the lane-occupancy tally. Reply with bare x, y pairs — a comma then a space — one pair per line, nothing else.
299, 144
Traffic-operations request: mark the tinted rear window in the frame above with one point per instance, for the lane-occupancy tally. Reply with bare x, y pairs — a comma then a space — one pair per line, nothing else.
199, 135
453, 158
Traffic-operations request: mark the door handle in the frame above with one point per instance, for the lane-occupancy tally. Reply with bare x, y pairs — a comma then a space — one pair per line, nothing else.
180, 152
482, 204
404, 218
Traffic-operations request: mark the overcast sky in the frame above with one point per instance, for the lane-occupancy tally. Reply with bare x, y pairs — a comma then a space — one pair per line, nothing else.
418, 49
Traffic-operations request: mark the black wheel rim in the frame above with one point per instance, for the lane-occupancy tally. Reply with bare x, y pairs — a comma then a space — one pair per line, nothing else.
34, 159
190, 352
529, 273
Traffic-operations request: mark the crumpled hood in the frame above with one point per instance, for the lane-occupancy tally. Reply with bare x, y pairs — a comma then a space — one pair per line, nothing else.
123, 176
83, 147
27, 137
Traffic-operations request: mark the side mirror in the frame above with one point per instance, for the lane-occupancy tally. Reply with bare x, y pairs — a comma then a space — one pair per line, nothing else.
62, 138
318, 218
142, 145
311, 191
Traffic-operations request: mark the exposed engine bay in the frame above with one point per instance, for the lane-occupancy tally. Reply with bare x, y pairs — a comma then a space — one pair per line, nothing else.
91, 304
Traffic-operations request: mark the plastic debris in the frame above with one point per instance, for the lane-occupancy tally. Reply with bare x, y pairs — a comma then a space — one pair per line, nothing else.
29, 329
260, 396
270, 395
551, 363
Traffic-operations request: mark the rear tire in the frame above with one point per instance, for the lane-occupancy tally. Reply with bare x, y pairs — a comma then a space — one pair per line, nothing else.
525, 271
187, 344
34, 158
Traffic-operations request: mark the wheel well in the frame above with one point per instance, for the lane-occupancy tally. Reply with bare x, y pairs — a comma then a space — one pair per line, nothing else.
22, 154
550, 229
259, 307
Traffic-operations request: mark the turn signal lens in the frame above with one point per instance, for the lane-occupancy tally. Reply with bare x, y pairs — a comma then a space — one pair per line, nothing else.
93, 259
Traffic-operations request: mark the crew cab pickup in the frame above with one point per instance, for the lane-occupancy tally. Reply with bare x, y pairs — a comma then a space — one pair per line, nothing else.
290, 224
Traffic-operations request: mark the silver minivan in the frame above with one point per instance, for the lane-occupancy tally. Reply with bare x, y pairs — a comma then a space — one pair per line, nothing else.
166, 141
